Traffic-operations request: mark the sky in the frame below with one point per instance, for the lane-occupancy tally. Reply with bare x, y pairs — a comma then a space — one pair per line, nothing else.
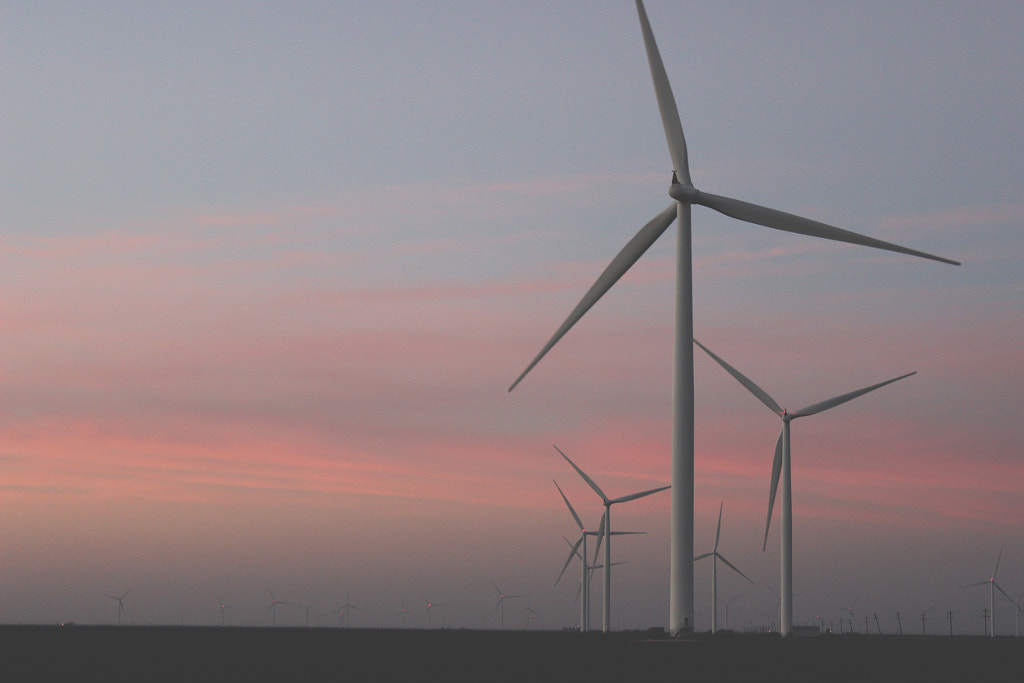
267, 271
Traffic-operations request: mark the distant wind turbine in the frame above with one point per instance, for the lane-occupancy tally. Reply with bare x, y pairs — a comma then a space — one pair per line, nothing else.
222, 607
120, 603
306, 608
501, 602
429, 606
344, 610
715, 557
684, 195
993, 587
576, 551
272, 607
781, 468
606, 538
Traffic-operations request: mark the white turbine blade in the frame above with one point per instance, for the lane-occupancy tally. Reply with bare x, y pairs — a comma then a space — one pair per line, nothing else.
622, 262
718, 532
776, 470
702, 556
980, 583
994, 571
634, 496
780, 220
600, 538
579, 522
1005, 594
839, 400
590, 482
731, 566
666, 101
572, 554
757, 391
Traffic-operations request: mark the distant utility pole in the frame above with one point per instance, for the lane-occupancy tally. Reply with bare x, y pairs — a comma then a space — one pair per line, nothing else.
899, 623
951, 623
877, 627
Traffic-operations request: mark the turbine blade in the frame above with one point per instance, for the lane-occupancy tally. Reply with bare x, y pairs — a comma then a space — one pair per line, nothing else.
733, 567
622, 262
994, 571
634, 496
776, 469
718, 532
1005, 594
579, 522
757, 391
600, 538
572, 554
702, 556
780, 220
666, 101
839, 400
590, 482
980, 583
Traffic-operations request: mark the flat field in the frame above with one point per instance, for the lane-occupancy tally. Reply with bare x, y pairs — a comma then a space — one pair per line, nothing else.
108, 653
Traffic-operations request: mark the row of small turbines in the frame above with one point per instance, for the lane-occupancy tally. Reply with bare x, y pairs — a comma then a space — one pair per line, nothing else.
344, 612
684, 195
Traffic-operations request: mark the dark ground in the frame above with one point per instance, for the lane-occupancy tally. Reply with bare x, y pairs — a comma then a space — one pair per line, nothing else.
107, 653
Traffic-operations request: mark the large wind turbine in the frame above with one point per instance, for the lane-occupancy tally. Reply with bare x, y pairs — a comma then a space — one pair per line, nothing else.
993, 587
781, 469
716, 556
685, 194
606, 537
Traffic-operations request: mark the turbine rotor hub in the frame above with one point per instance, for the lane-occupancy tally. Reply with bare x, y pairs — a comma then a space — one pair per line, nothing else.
683, 193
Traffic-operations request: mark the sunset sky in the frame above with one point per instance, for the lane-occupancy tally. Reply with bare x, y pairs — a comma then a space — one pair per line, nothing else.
267, 270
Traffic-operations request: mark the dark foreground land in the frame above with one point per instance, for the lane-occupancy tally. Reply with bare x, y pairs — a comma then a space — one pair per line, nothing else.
106, 653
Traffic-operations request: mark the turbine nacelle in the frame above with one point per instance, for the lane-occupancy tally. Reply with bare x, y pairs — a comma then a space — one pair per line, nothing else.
687, 194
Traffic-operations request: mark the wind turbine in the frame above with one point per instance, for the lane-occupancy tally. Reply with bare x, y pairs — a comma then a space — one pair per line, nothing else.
429, 607
606, 537
716, 556
222, 607
272, 607
993, 587
306, 609
343, 610
727, 603
120, 603
501, 602
684, 195
781, 469
582, 554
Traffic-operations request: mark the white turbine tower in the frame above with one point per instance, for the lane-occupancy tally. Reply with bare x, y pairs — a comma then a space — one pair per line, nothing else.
993, 587
781, 470
685, 194
716, 556
606, 537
